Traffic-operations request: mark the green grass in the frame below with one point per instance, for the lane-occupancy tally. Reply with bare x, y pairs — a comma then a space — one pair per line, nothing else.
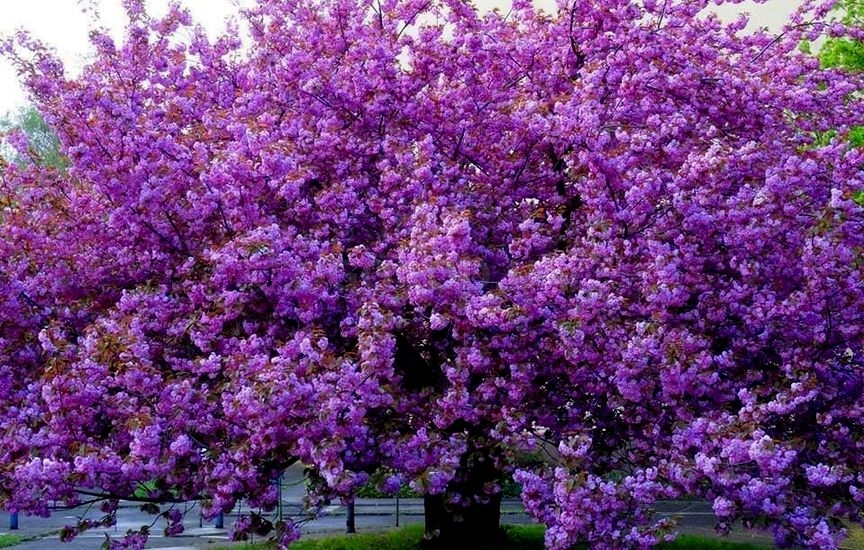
519, 537
9, 540
688, 542
398, 539
856, 539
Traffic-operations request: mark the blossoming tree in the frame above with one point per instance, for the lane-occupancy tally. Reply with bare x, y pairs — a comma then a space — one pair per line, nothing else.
400, 236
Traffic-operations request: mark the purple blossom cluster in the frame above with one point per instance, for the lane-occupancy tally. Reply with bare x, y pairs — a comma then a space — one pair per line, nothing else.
404, 236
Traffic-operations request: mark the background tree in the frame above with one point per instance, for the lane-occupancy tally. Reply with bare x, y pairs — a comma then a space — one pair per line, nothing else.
846, 52
404, 237
36, 141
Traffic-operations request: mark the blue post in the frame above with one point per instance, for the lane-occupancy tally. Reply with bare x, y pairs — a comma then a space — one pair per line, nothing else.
220, 521
350, 521
13, 521
277, 481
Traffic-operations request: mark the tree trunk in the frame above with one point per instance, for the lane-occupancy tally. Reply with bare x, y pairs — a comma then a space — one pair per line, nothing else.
452, 527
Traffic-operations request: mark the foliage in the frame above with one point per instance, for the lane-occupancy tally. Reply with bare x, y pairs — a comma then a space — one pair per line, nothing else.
377, 485
370, 490
402, 236
39, 143
845, 52
509, 488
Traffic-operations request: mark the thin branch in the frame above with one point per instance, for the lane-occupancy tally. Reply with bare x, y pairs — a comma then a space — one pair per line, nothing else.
662, 14
781, 35
580, 56
133, 498
411, 19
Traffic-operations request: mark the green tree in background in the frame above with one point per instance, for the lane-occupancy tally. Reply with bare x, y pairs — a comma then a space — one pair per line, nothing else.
44, 147
846, 52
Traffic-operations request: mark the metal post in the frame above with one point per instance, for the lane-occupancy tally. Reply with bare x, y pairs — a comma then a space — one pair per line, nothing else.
13, 521
220, 521
278, 482
397, 509
349, 518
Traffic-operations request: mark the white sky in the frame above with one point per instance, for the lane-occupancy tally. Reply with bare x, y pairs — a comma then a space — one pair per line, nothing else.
62, 24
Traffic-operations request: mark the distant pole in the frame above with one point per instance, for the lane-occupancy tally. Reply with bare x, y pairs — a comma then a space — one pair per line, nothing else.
220, 521
13, 521
349, 518
278, 483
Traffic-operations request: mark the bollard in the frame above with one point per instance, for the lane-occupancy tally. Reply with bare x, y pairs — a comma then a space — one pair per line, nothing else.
13, 521
220, 521
349, 517
397, 509
277, 481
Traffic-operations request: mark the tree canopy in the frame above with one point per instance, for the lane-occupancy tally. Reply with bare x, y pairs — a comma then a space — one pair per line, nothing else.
400, 236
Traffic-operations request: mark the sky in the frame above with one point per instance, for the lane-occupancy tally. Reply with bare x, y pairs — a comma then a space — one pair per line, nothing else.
64, 25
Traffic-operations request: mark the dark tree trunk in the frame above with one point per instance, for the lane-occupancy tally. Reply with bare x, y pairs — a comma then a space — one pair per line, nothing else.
450, 527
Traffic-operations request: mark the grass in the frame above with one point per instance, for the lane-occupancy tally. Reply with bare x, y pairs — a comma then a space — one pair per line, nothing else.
399, 539
689, 542
9, 540
519, 537
855, 540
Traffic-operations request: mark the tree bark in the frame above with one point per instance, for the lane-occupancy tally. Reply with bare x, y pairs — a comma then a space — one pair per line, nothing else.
450, 527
